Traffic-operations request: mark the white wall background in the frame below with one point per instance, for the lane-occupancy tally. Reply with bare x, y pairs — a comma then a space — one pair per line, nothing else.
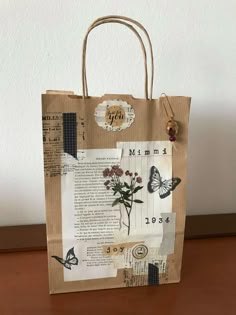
195, 54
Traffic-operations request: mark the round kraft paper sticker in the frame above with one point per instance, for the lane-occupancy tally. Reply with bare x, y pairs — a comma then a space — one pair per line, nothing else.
114, 115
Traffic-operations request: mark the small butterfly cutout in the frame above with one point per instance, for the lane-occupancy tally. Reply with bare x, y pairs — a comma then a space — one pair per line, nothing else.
165, 186
70, 260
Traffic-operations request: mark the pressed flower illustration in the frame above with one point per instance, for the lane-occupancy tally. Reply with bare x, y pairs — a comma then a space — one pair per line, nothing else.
124, 190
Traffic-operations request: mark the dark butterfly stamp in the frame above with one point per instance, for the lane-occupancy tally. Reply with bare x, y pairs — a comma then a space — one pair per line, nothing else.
163, 186
70, 260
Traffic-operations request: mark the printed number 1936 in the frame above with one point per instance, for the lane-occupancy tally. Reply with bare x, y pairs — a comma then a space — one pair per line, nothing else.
155, 220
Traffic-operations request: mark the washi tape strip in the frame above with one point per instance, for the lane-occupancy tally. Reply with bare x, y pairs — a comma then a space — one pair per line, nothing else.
70, 134
153, 275
168, 241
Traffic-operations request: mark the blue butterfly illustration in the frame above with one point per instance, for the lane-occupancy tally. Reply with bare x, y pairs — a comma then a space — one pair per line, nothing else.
70, 260
164, 186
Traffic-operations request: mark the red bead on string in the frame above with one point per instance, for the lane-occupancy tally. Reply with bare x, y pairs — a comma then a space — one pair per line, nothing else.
171, 126
172, 129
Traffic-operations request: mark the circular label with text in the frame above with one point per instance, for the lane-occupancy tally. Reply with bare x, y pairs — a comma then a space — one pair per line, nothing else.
114, 115
140, 251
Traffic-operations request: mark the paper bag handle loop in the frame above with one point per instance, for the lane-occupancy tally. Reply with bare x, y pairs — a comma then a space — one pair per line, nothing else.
120, 20
84, 76
139, 25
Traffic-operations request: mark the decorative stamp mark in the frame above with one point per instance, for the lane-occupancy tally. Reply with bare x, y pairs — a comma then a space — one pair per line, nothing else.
140, 251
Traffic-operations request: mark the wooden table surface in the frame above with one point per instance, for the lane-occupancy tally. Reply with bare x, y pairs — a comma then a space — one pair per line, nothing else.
208, 286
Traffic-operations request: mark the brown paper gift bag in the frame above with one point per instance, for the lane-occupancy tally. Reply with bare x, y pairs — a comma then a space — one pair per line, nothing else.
115, 184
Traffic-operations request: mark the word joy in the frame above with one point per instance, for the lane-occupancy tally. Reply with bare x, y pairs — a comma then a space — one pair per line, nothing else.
114, 249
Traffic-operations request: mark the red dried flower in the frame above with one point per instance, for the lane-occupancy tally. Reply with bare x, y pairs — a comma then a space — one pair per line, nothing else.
111, 173
107, 182
135, 174
119, 172
106, 172
139, 180
127, 173
130, 174
108, 187
115, 167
